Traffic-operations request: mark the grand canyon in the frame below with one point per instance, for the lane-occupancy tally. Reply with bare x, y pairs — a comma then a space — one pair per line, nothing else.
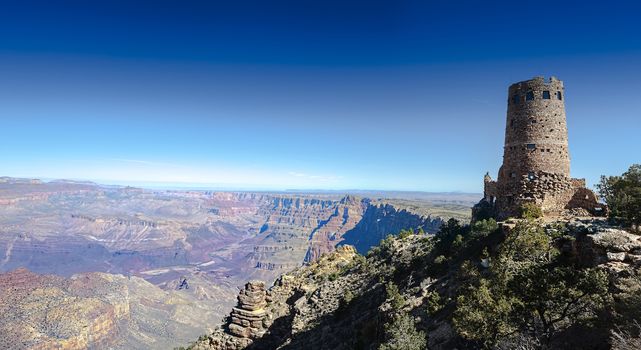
320, 175
85, 265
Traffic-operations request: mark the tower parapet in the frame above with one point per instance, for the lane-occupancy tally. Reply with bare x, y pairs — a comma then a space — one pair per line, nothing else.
536, 158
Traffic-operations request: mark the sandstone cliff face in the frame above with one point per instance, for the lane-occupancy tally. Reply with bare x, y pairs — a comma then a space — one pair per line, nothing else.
300, 230
347, 214
306, 227
380, 220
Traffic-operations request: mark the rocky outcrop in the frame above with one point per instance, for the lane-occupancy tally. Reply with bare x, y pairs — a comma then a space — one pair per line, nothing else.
598, 244
246, 319
291, 305
341, 301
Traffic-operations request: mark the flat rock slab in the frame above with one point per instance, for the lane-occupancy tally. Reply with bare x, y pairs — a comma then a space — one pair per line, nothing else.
616, 240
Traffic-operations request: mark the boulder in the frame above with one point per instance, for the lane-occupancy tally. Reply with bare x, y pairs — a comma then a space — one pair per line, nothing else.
616, 256
615, 240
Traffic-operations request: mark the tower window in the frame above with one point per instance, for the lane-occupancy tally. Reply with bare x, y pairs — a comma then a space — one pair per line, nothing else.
546, 95
512, 175
515, 99
558, 95
530, 175
529, 96
531, 146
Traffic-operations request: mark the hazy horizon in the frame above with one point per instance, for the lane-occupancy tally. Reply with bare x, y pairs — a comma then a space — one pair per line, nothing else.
221, 187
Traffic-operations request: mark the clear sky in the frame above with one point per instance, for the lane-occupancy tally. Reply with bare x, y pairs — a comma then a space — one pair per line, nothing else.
401, 95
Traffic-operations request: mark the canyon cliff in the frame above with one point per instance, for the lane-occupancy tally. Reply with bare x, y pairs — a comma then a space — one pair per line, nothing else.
179, 242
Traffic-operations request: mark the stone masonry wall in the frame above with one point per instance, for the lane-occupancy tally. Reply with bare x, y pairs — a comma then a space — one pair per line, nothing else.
536, 137
536, 159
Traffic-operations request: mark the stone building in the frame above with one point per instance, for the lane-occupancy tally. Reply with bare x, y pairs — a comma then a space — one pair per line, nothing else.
536, 159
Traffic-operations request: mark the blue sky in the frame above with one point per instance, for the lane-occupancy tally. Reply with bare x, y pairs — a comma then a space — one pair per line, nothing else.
397, 95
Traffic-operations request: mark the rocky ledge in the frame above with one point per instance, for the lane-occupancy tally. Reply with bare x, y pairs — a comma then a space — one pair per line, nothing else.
298, 297
599, 244
342, 300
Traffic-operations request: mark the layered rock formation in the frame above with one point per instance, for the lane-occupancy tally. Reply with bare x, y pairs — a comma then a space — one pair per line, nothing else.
85, 227
307, 227
246, 322
246, 319
380, 219
294, 302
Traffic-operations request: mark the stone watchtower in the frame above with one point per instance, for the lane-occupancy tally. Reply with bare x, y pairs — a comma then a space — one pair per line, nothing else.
536, 134
536, 159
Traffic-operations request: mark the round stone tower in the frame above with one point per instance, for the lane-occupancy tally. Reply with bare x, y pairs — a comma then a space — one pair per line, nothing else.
536, 134
536, 160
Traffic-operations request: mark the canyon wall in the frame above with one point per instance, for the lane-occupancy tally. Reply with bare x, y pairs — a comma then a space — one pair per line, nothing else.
190, 250
380, 220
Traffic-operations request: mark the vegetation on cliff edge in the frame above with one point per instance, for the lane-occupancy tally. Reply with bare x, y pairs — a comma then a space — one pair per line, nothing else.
623, 196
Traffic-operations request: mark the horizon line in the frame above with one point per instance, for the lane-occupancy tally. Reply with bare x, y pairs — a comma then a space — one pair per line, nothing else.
223, 187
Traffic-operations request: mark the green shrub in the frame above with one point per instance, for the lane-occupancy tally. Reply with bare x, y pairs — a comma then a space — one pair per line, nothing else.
623, 196
483, 228
394, 295
529, 288
401, 334
433, 303
406, 233
482, 314
384, 249
530, 211
348, 296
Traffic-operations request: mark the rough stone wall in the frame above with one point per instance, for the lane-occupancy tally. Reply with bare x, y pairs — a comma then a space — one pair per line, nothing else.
536, 136
536, 159
584, 198
490, 190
